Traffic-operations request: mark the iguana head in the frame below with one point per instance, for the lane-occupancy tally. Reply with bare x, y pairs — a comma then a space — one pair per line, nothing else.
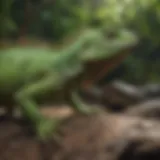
106, 53
103, 46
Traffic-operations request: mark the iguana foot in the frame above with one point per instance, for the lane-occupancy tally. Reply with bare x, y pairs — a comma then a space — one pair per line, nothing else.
80, 107
86, 110
47, 129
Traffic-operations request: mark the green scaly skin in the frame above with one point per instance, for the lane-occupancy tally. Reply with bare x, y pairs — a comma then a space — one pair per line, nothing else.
25, 73
32, 71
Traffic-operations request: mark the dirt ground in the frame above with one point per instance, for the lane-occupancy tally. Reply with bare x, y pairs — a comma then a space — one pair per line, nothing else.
100, 136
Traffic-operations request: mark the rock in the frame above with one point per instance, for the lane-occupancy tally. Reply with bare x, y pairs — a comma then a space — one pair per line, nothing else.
146, 109
151, 91
104, 137
119, 95
98, 136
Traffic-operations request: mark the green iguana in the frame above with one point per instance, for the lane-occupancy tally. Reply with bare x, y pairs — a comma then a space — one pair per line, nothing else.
28, 73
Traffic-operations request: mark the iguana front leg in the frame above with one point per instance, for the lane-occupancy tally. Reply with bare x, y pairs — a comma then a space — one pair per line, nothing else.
45, 128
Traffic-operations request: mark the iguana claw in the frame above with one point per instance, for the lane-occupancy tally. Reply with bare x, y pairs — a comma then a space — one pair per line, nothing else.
47, 129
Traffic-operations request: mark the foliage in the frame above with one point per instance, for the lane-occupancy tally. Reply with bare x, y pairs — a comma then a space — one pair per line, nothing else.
143, 17
54, 20
7, 25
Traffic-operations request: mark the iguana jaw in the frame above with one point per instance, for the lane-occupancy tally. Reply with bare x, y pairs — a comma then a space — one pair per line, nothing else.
105, 66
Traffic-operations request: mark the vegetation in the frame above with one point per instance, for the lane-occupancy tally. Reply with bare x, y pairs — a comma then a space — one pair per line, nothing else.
56, 21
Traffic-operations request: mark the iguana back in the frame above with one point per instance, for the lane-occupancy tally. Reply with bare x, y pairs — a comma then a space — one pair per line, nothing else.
17, 67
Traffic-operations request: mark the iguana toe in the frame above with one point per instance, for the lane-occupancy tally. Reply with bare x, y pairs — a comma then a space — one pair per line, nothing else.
47, 129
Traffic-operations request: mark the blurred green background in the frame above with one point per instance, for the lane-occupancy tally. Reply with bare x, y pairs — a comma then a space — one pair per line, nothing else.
51, 21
